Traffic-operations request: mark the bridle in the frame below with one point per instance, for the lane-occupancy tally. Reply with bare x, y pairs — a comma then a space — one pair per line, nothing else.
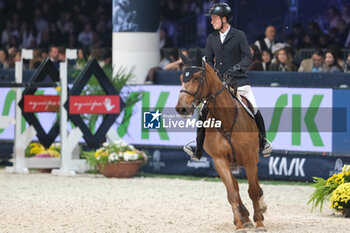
197, 95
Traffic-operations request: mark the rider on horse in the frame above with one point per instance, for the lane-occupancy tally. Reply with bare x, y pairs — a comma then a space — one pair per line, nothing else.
230, 49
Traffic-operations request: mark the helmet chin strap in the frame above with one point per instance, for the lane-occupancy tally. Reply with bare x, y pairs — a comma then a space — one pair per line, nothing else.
222, 24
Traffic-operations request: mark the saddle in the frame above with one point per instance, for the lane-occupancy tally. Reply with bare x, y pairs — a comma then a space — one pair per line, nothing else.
242, 100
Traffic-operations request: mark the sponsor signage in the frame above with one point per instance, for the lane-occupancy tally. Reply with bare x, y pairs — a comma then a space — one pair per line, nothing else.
41, 103
276, 167
107, 104
296, 119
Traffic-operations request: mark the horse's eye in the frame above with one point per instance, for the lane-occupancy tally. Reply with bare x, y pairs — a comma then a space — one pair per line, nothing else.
195, 78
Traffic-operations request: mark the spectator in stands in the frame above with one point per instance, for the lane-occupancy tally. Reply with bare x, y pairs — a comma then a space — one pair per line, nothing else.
14, 56
163, 59
178, 64
164, 40
55, 35
85, 37
269, 40
323, 41
333, 17
346, 14
54, 56
342, 32
83, 56
61, 53
315, 33
45, 39
313, 64
306, 41
72, 41
298, 31
30, 36
338, 53
283, 62
256, 60
40, 23
44, 54
266, 60
37, 59
347, 64
331, 61
7, 33
106, 59
3, 59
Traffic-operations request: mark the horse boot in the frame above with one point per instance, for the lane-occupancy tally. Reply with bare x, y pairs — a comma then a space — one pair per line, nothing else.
265, 145
196, 152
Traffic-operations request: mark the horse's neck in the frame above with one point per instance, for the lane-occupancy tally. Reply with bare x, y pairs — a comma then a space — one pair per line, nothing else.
223, 105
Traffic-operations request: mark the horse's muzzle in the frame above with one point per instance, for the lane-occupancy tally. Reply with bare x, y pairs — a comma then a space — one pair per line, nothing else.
184, 111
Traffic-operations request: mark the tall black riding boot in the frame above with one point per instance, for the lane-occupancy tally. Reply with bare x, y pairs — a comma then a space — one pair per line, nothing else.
265, 145
262, 131
197, 152
201, 133
200, 141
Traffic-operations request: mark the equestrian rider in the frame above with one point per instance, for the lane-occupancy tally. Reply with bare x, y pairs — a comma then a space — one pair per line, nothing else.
230, 49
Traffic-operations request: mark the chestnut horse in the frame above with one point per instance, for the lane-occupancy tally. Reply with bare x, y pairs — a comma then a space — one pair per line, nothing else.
235, 143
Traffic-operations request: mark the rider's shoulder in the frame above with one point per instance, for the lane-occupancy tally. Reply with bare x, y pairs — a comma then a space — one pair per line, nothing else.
240, 33
237, 31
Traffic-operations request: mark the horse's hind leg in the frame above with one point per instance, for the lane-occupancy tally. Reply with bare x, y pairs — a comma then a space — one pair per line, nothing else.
255, 194
223, 168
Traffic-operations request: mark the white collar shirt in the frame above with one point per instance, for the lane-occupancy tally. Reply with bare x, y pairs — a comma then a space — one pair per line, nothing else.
223, 35
269, 43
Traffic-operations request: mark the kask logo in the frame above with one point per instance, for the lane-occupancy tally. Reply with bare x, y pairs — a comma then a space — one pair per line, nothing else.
151, 120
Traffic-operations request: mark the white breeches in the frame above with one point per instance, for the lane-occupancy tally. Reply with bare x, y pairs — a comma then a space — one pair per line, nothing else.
247, 92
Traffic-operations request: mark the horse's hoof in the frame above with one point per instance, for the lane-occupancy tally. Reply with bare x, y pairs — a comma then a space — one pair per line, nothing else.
241, 231
260, 229
248, 225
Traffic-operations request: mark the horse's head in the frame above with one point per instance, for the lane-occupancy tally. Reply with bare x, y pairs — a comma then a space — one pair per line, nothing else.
194, 86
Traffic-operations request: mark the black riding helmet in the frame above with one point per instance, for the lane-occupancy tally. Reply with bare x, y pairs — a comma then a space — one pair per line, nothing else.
221, 9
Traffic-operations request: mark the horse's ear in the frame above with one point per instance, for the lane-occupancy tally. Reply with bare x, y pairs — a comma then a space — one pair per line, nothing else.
184, 58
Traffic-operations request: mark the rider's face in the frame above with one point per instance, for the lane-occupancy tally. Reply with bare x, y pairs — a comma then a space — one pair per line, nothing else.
216, 22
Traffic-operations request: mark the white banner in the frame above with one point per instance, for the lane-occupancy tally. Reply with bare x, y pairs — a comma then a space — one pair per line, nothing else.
297, 119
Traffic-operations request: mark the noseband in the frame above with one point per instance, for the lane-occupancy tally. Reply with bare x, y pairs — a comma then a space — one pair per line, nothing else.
197, 94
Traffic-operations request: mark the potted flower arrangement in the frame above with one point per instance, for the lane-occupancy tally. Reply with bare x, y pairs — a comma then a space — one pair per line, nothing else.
116, 159
340, 199
37, 150
336, 189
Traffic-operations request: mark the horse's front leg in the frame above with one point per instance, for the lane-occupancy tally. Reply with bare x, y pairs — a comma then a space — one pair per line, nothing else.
256, 195
223, 168
247, 223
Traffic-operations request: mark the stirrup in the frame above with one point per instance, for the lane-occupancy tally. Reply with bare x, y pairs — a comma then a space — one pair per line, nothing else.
190, 151
267, 149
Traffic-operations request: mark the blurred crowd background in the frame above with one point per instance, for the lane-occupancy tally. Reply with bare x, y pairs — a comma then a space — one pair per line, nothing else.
301, 29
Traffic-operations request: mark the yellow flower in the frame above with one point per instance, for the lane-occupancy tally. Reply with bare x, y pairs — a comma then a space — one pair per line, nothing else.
37, 150
54, 153
340, 197
130, 152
